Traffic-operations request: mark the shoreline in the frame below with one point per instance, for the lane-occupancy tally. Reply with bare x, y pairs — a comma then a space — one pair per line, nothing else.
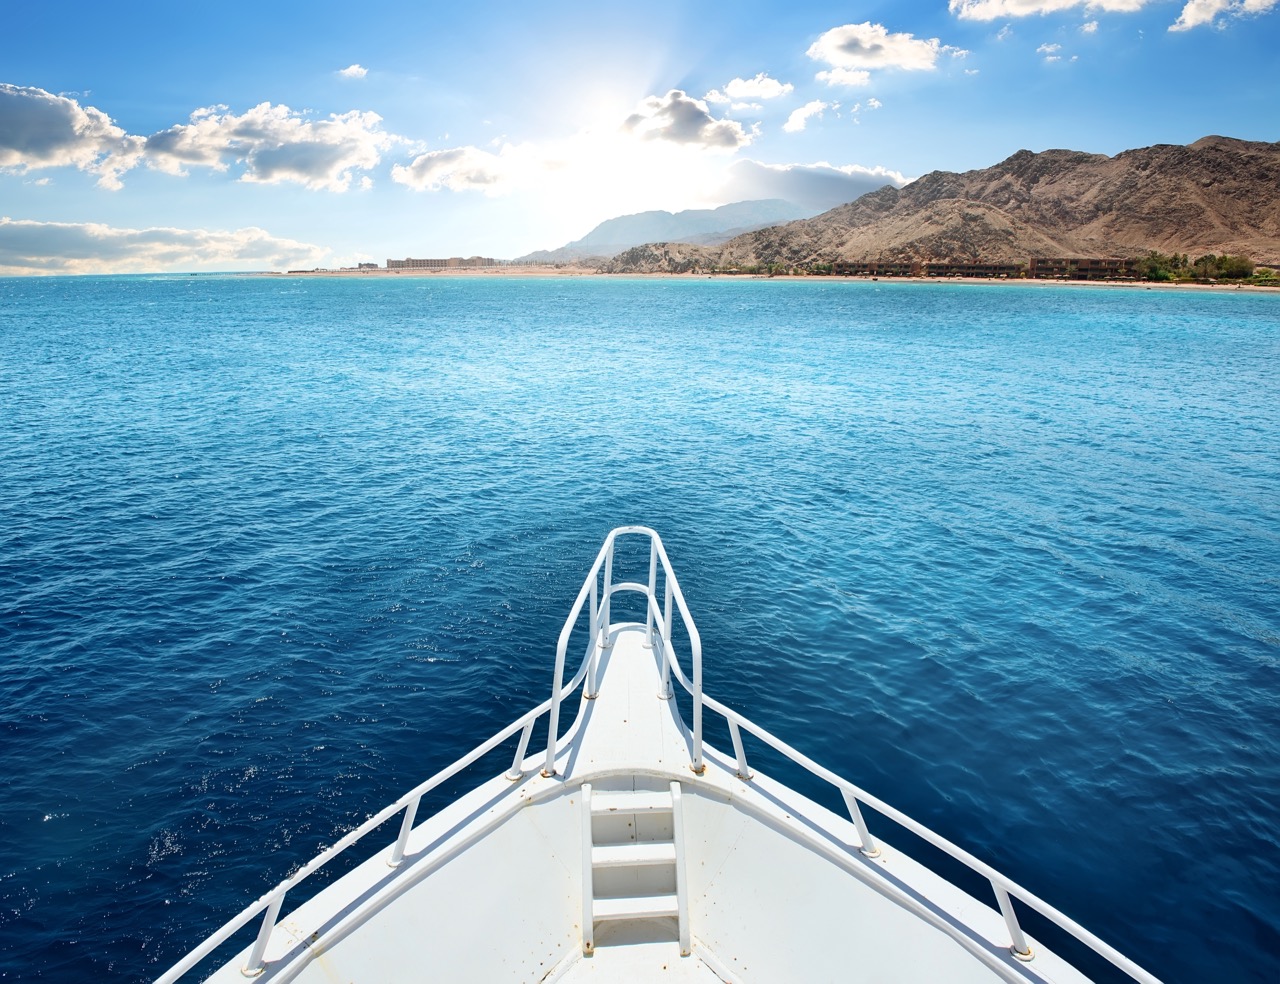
532, 272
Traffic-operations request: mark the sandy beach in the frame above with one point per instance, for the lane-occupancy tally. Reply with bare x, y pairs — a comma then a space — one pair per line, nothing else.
582, 271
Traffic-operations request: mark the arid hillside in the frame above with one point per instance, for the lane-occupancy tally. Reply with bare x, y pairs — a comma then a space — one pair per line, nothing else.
1217, 195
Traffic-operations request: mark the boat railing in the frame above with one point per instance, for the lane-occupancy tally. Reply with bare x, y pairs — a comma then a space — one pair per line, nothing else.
658, 623
659, 635
1005, 888
268, 907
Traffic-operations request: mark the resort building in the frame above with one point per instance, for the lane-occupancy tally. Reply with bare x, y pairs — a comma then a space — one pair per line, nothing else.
453, 262
1082, 268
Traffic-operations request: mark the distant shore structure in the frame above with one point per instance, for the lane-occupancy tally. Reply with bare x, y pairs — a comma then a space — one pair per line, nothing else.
454, 262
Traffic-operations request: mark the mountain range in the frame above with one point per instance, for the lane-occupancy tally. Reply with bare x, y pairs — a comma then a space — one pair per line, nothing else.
1217, 195
706, 226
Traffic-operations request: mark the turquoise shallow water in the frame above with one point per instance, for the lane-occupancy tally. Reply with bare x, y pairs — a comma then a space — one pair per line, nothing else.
272, 551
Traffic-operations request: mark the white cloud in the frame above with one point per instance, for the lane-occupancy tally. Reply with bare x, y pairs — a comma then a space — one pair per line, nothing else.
1048, 49
1005, 33
1089, 27
874, 103
858, 48
816, 187
354, 72
458, 169
851, 77
274, 144
760, 87
1198, 13
40, 130
986, 10
797, 120
679, 118
61, 247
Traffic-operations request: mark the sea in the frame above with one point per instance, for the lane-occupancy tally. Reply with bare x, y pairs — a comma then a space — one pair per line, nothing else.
274, 550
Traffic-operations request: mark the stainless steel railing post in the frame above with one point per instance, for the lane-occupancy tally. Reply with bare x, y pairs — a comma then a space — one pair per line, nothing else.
668, 649
593, 646
406, 825
553, 721
254, 967
653, 588
855, 813
1018, 943
695, 647
514, 772
744, 771
607, 603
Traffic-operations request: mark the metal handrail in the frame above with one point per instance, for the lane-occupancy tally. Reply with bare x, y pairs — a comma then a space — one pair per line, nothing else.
600, 624
658, 625
1003, 886
269, 905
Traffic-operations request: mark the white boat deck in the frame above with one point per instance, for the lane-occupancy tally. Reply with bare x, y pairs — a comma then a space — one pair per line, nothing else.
628, 727
498, 869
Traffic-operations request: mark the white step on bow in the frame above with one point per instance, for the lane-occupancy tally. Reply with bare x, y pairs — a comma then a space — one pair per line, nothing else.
633, 859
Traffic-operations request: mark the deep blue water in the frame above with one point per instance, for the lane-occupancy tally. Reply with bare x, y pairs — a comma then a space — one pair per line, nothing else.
273, 551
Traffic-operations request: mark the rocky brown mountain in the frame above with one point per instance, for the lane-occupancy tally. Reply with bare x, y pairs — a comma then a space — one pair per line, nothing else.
1217, 195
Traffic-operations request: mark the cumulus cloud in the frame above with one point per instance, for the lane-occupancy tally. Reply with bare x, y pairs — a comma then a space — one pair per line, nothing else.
458, 169
816, 187
61, 247
41, 130
1089, 27
1198, 13
797, 120
760, 87
353, 72
679, 118
986, 10
874, 103
849, 77
271, 143
274, 144
853, 50
1050, 52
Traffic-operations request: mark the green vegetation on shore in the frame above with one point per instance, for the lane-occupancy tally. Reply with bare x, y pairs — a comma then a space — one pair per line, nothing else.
1178, 267
1154, 267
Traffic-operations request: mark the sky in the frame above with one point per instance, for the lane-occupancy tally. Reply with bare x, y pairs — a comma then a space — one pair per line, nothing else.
163, 137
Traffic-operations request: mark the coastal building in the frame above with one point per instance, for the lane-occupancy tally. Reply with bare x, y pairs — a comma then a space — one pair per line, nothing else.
996, 270
874, 268
454, 262
1082, 268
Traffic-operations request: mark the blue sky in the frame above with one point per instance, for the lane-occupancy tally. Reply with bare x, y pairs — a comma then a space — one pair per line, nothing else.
158, 136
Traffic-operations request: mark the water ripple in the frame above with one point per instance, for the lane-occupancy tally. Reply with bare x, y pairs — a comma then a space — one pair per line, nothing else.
272, 552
